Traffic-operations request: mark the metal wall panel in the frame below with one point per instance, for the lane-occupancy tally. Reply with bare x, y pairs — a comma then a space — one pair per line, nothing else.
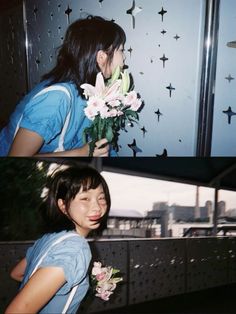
10, 254
152, 36
12, 60
232, 260
224, 127
157, 269
152, 269
207, 262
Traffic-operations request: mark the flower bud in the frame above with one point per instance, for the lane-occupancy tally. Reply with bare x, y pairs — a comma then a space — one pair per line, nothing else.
115, 75
125, 84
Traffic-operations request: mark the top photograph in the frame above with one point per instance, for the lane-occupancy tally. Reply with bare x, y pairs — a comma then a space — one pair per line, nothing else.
130, 78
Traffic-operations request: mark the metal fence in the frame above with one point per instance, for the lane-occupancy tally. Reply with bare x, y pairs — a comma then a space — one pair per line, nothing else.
152, 269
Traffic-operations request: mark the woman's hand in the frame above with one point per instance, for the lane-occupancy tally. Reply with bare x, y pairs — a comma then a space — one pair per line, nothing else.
18, 271
101, 148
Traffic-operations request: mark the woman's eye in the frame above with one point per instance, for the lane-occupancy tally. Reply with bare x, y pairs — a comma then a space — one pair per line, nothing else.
84, 199
102, 199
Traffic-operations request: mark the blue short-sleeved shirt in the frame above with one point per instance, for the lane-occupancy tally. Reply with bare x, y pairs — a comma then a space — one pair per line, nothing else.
46, 114
73, 255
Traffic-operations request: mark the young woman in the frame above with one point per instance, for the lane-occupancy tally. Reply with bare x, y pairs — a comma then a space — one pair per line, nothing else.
54, 272
50, 120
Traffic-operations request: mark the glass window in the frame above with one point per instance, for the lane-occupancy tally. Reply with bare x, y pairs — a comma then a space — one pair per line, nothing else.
149, 207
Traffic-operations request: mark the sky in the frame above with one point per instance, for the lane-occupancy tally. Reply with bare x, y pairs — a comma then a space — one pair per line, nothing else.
138, 193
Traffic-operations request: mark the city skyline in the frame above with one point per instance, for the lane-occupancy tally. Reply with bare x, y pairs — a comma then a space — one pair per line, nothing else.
133, 193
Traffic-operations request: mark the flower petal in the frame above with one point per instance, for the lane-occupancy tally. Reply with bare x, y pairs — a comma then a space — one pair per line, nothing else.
100, 85
89, 90
112, 92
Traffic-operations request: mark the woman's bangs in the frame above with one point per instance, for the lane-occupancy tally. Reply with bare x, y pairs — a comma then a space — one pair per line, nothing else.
90, 183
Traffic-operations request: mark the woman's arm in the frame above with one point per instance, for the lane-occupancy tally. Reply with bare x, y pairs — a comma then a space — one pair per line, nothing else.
40, 288
28, 143
18, 271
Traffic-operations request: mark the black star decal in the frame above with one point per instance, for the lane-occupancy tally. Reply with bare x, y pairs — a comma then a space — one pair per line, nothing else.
229, 113
164, 154
37, 61
144, 131
133, 11
100, 2
176, 37
68, 12
130, 50
35, 12
158, 113
162, 12
164, 59
229, 78
171, 88
163, 32
134, 148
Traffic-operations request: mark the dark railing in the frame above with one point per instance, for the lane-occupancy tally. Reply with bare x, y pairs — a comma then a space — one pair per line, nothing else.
152, 268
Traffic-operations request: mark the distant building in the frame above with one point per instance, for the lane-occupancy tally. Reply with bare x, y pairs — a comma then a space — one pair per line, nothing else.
130, 225
160, 215
188, 213
221, 208
162, 220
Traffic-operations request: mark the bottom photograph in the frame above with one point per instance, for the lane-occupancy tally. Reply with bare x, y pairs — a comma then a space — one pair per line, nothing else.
118, 235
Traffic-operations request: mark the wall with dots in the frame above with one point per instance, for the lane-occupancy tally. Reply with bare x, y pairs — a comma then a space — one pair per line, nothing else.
151, 268
13, 75
163, 55
163, 51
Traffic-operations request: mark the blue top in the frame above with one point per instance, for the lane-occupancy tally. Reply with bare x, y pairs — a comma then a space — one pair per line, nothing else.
46, 114
73, 256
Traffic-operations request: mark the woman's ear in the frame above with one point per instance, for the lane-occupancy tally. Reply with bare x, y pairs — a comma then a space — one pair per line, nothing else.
101, 59
61, 205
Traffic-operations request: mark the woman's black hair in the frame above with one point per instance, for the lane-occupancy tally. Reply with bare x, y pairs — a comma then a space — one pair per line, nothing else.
77, 57
65, 184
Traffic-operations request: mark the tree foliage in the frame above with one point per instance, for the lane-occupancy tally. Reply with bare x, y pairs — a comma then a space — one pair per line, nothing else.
21, 183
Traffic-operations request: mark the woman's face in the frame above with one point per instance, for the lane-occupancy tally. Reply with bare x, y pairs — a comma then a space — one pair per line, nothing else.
117, 60
86, 209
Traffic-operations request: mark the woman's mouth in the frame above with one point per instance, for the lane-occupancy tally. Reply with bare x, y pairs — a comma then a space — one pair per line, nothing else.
94, 217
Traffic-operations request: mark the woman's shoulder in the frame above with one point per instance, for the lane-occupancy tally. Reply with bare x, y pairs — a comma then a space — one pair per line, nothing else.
65, 241
64, 237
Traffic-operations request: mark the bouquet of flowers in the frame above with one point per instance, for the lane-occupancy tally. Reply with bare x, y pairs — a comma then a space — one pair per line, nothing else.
104, 280
110, 106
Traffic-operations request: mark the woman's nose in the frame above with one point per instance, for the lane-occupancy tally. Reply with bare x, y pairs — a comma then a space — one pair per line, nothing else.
96, 205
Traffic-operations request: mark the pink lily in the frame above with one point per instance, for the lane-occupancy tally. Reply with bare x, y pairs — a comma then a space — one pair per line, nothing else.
107, 93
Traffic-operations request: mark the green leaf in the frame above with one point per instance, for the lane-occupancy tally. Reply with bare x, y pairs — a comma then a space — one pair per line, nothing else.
132, 113
115, 271
109, 134
91, 148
